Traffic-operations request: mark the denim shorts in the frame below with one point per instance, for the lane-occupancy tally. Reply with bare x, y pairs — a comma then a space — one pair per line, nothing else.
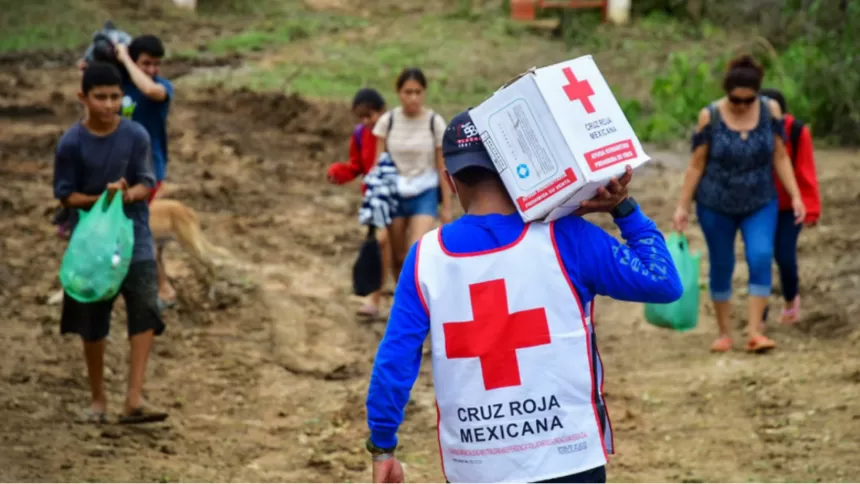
425, 203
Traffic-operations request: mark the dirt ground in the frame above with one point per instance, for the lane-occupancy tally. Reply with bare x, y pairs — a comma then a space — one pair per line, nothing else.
265, 370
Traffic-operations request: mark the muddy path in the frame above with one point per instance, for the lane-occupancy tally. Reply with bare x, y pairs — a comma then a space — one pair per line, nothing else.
265, 369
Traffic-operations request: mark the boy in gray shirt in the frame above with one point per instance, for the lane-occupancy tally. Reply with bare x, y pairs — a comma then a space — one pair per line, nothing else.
105, 152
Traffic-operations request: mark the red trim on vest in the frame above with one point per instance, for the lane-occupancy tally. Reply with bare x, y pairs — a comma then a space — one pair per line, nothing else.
587, 335
483, 252
439, 441
602, 381
418, 284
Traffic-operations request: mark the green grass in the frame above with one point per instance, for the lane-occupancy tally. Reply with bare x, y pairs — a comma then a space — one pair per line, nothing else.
48, 25
326, 55
276, 32
463, 60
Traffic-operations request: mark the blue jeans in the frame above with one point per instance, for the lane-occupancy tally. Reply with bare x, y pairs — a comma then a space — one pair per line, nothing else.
758, 230
425, 203
785, 253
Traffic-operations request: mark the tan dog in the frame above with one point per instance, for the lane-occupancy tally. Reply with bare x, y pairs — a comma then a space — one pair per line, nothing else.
173, 220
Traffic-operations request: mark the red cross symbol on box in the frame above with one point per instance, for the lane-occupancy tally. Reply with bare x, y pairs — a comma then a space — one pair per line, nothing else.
495, 334
578, 90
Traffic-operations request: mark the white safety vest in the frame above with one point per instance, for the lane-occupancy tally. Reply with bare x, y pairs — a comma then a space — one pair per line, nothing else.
512, 363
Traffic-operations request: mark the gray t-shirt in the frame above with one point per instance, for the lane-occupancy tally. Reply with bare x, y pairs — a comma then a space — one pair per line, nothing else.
86, 163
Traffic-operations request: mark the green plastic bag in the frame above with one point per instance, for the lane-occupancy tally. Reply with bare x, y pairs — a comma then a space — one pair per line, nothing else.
683, 314
99, 252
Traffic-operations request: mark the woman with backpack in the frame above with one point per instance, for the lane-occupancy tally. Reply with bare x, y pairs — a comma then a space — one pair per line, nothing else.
737, 145
800, 149
412, 135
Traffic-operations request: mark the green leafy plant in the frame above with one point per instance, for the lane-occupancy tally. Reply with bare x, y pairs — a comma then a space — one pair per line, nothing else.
818, 72
687, 85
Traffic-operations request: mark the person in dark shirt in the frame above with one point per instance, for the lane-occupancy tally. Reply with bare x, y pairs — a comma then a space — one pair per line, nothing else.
105, 152
146, 100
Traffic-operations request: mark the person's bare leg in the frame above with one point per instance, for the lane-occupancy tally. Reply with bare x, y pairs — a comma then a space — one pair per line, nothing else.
165, 289
418, 226
756, 313
94, 354
723, 310
141, 345
374, 301
397, 237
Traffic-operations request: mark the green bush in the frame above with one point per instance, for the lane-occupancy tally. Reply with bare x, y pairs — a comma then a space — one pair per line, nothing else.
818, 73
688, 84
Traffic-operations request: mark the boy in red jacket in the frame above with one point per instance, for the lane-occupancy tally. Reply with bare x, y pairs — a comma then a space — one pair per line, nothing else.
367, 105
799, 147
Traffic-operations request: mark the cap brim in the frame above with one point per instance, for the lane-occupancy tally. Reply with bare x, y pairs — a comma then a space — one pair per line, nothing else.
455, 163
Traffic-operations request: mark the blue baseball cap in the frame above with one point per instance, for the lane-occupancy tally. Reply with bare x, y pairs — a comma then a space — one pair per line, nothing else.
462, 146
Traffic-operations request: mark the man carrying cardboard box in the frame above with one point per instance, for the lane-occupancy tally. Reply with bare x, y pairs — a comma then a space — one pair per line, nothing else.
508, 304
556, 135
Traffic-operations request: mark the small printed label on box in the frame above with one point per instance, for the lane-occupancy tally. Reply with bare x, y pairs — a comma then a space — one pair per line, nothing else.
518, 135
610, 155
495, 154
527, 202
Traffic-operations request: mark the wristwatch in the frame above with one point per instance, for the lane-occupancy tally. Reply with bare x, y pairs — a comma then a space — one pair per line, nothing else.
378, 453
625, 208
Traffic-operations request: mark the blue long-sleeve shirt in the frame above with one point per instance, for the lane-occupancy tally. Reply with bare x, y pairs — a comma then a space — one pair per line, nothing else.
597, 263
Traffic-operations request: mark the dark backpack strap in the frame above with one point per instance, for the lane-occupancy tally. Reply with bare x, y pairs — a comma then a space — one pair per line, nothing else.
794, 136
765, 109
439, 195
715, 115
433, 126
715, 120
388, 131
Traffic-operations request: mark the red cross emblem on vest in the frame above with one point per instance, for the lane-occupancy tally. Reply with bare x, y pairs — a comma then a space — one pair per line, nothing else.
577, 90
495, 334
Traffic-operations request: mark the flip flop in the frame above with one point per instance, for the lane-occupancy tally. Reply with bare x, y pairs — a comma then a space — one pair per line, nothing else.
721, 345
143, 414
90, 416
791, 315
166, 304
760, 344
368, 311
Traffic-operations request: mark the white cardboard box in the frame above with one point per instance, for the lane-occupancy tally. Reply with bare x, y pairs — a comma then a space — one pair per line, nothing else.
556, 134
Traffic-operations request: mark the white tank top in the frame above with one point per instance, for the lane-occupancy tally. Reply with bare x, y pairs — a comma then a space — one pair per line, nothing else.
512, 363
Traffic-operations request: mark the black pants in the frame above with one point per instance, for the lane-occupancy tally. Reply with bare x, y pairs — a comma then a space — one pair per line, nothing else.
785, 253
596, 475
140, 291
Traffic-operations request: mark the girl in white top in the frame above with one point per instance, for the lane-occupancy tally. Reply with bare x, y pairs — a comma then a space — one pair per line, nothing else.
412, 135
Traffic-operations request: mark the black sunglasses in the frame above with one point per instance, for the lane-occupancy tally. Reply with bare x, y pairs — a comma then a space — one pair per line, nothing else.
742, 100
